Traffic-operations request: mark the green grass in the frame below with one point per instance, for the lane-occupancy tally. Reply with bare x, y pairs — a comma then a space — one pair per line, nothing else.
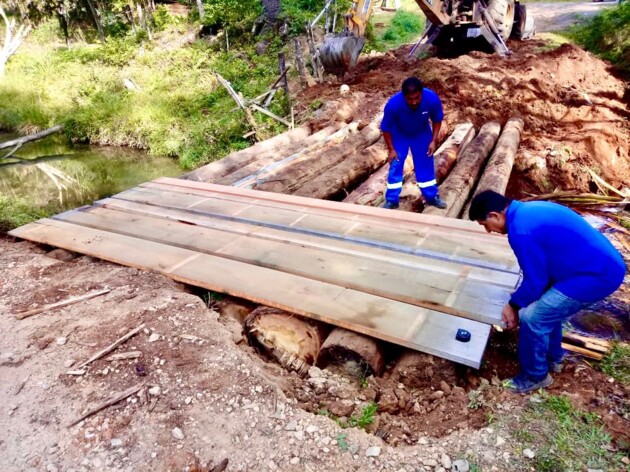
617, 363
16, 212
607, 35
389, 30
179, 110
564, 438
366, 418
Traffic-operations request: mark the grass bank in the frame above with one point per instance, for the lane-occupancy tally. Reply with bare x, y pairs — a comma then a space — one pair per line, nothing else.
158, 95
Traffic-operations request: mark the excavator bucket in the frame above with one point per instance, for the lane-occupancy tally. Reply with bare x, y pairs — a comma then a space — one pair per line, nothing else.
340, 53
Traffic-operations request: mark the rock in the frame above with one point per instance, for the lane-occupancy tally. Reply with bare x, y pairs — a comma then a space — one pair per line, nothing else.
295, 461
388, 402
310, 429
373, 451
344, 89
51, 468
529, 453
178, 433
69, 363
272, 465
155, 391
594, 470
446, 388
62, 255
353, 449
188, 400
154, 337
341, 408
315, 372
461, 465
445, 460
299, 435
437, 394
291, 426
116, 442
500, 441
53, 450
430, 462
61, 340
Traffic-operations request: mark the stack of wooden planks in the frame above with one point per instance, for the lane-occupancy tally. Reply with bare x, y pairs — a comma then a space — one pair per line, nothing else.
409, 279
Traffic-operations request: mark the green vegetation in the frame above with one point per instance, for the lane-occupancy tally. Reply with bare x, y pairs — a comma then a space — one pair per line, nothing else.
608, 35
617, 363
342, 441
15, 211
402, 27
366, 418
565, 438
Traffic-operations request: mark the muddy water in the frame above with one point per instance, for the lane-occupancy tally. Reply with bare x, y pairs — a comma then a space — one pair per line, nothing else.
54, 174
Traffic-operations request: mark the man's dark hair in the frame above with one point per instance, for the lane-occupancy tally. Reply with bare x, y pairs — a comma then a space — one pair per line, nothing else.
486, 202
412, 84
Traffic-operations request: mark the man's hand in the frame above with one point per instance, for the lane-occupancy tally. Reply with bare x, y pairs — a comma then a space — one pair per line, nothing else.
509, 316
391, 155
432, 148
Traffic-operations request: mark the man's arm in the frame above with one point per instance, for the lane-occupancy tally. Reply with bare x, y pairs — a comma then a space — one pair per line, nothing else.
391, 152
436, 113
533, 261
434, 141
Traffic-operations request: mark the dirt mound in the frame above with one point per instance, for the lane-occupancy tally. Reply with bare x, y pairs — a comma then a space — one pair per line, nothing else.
575, 112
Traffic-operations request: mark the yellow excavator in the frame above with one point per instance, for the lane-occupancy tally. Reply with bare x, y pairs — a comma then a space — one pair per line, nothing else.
449, 22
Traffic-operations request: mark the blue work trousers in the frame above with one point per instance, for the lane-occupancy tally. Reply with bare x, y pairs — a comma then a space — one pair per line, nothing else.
422, 164
540, 334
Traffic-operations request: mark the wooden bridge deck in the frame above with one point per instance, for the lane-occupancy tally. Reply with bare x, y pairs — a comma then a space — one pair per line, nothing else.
405, 278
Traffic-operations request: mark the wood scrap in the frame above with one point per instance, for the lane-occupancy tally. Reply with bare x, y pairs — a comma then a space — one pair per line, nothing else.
239, 101
113, 346
293, 341
112, 401
52, 306
459, 184
354, 351
446, 155
585, 352
587, 339
121, 356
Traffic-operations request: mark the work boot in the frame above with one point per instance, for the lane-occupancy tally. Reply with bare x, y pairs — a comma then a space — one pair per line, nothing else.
391, 205
522, 383
437, 202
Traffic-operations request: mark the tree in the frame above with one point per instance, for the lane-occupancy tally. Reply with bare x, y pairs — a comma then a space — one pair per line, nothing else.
14, 35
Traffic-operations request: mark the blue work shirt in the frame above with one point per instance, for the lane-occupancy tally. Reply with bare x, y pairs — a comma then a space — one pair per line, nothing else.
398, 118
556, 247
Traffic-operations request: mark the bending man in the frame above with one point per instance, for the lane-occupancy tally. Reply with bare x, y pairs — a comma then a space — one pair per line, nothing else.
407, 125
567, 265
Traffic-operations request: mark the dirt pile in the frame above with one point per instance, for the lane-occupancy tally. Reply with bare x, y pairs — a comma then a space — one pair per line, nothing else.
576, 113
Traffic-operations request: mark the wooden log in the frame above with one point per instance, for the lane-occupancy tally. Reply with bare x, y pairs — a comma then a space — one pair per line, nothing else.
33, 137
299, 62
459, 184
291, 178
371, 192
497, 172
447, 153
216, 170
353, 352
293, 341
267, 158
346, 174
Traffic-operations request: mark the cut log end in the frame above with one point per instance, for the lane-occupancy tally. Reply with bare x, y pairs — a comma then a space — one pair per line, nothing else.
289, 339
353, 353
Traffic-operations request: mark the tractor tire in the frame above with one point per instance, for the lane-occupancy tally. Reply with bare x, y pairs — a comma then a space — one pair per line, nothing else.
502, 12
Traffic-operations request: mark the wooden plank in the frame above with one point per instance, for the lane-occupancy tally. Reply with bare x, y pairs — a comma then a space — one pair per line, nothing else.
374, 316
422, 239
428, 288
411, 261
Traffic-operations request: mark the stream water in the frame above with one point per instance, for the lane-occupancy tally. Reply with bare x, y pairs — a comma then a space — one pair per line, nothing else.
54, 174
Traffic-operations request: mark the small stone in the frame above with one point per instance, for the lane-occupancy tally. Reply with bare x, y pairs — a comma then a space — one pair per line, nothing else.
310, 429
53, 450
272, 465
188, 400
178, 433
299, 435
500, 441
445, 460
258, 389
62, 340
373, 451
353, 449
625, 460
344, 89
423, 441
116, 442
295, 460
461, 465
430, 462
291, 426
69, 363
51, 468
594, 470
155, 391
154, 338
529, 453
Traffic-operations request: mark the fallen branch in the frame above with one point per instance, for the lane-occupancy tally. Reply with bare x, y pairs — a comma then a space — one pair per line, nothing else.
113, 346
585, 352
272, 115
248, 114
70, 301
112, 401
12, 151
32, 137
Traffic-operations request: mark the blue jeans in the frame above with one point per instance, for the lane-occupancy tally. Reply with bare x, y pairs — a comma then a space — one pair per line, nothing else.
540, 334
422, 164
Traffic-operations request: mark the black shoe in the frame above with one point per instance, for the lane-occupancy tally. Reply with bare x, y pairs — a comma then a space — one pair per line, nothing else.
524, 384
391, 205
437, 202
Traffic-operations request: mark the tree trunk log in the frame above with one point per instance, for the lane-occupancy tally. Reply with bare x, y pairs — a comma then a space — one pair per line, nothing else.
291, 340
347, 173
447, 153
216, 170
300, 172
497, 173
459, 184
299, 63
275, 155
354, 352
32, 137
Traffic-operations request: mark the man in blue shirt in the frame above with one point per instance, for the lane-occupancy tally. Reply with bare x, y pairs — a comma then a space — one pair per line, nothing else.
567, 265
406, 125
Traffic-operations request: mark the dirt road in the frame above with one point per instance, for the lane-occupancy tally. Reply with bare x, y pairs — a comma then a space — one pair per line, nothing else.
558, 16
